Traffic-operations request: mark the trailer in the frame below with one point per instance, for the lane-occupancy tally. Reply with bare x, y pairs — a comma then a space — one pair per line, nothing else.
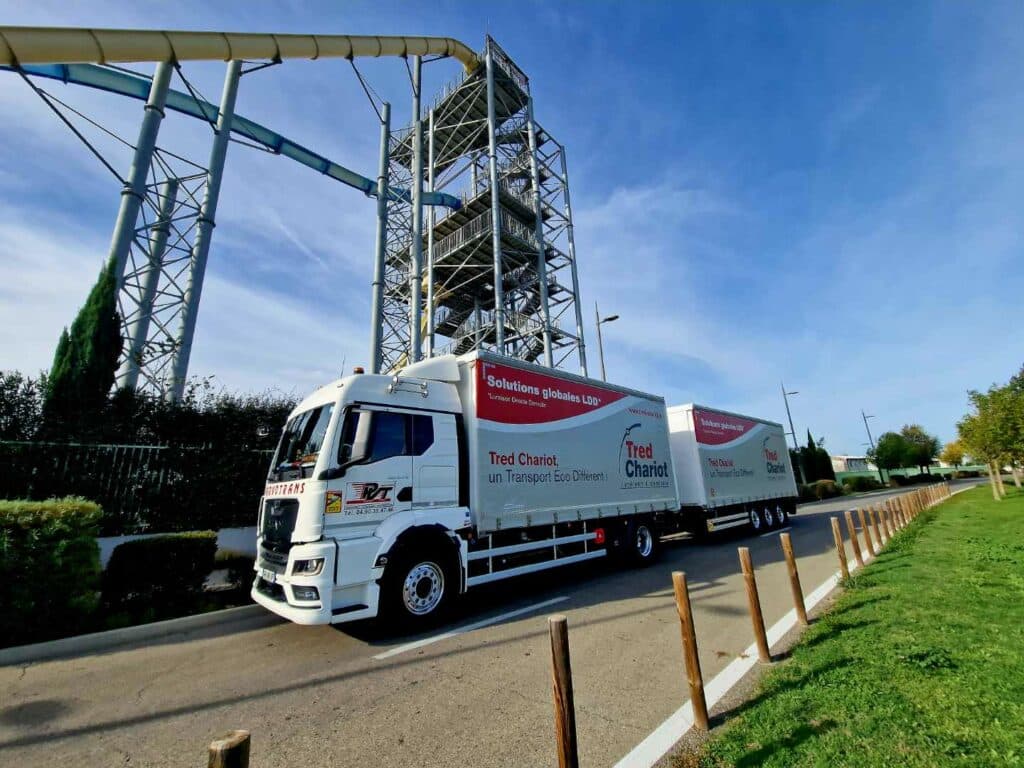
731, 470
393, 494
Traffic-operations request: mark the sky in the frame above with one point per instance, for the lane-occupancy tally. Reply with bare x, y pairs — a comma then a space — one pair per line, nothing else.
823, 194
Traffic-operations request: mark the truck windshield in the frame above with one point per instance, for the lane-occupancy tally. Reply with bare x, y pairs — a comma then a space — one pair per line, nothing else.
300, 444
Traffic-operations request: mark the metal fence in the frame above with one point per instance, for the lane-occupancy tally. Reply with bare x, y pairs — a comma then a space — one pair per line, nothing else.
142, 488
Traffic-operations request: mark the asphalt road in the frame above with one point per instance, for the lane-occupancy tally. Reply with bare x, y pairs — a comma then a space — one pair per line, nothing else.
318, 695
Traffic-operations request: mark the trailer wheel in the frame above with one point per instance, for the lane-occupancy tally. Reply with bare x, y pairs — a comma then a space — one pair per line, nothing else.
642, 542
782, 515
755, 519
417, 590
770, 520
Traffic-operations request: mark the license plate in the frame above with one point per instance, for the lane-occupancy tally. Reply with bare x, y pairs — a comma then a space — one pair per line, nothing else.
268, 575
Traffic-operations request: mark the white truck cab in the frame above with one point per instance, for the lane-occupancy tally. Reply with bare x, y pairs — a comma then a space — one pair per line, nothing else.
361, 462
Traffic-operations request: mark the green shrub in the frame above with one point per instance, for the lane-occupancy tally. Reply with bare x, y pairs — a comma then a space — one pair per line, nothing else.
898, 481
820, 489
861, 483
49, 568
238, 565
159, 577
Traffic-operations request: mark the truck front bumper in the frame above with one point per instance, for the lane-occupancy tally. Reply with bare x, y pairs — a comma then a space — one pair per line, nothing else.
278, 589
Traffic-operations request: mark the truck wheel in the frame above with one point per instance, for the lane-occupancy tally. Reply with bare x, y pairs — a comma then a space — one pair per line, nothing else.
755, 520
770, 520
782, 515
642, 542
417, 590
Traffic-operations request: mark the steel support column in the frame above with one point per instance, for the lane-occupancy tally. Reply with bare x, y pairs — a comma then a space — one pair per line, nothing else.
377, 302
135, 185
137, 329
204, 231
430, 237
416, 267
542, 266
492, 160
572, 262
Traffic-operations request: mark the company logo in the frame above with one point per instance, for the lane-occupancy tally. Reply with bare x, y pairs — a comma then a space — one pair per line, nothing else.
639, 467
369, 493
771, 459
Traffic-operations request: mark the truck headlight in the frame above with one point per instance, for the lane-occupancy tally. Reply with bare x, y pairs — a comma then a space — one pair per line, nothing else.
310, 567
306, 593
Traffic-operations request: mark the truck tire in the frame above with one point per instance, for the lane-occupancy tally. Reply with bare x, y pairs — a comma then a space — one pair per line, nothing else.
770, 520
756, 521
418, 589
642, 543
782, 515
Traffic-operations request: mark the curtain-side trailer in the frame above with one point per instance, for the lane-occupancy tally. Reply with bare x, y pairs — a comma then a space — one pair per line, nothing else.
731, 469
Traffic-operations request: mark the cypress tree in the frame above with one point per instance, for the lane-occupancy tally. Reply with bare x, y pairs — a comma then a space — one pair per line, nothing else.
85, 363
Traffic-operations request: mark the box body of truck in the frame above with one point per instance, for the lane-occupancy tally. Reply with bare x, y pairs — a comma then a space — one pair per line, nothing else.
730, 466
546, 446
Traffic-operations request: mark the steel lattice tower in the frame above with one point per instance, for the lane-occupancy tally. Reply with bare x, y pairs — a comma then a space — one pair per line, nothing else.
500, 272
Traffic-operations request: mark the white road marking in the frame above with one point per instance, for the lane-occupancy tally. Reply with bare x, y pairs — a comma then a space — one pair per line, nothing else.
467, 628
649, 751
772, 533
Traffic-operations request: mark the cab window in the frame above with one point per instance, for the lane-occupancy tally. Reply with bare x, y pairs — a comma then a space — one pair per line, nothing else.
387, 436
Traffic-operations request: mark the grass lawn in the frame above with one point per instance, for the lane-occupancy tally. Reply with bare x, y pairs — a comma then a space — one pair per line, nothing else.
919, 663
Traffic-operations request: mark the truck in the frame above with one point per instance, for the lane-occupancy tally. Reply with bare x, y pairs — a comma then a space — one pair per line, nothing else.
390, 495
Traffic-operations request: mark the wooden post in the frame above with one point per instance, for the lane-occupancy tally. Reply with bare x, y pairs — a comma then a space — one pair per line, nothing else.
886, 521
794, 579
852, 530
561, 685
873, 515
837, 534
230, 751
866, 532
693, 676
754, 602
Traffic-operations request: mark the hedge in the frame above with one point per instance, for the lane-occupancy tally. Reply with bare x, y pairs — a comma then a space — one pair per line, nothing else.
819, 489
49, 568
157, 578
861, 483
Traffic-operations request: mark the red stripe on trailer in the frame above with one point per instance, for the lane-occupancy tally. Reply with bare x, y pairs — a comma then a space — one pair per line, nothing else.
509, 395
713, 428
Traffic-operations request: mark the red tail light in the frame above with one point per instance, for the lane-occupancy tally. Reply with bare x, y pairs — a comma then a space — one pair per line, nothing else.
599, 535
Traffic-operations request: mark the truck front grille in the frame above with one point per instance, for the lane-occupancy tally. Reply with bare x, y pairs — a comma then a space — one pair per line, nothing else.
278, 522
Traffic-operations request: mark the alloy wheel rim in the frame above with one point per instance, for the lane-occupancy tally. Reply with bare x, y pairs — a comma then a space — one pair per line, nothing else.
423, 589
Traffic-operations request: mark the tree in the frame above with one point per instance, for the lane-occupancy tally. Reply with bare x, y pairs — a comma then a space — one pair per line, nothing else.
922, 448
20, 405
890, 452
815, 462
85, 363
953, 453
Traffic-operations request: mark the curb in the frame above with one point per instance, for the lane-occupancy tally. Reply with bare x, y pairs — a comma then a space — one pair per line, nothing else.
251, 615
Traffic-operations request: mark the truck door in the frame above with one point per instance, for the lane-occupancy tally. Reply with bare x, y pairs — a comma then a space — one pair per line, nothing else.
435, 460
375, 452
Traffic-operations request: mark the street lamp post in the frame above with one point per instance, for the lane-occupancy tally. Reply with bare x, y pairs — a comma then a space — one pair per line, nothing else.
600, 344
792, 432
871, 440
